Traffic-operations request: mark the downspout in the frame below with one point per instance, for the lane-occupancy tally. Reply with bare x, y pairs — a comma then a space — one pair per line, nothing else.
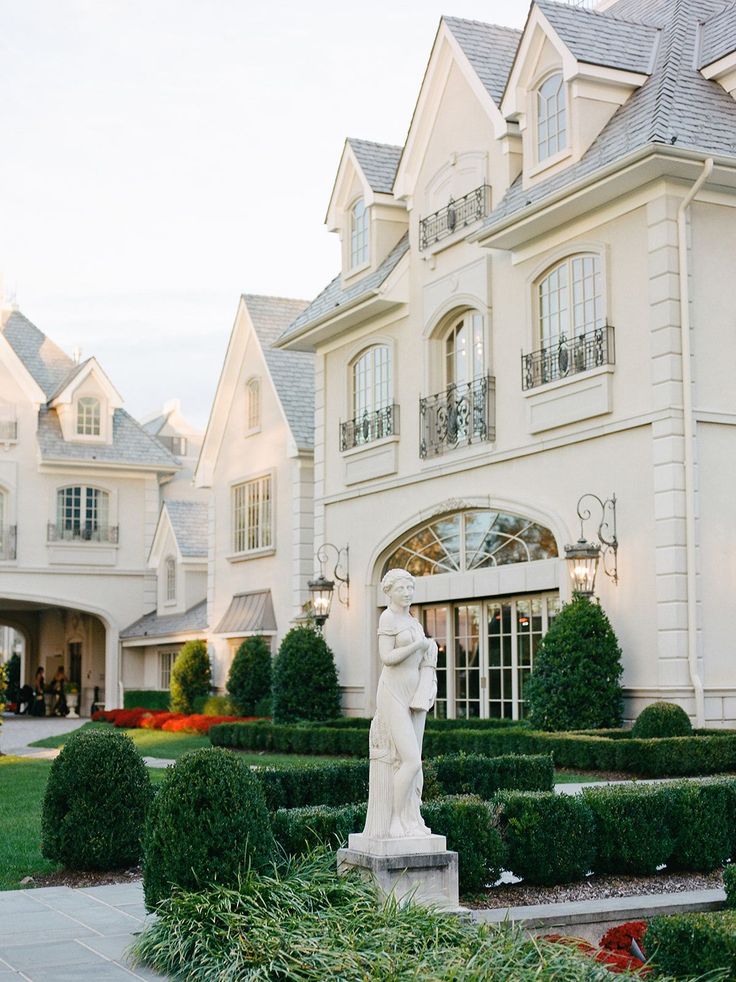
689, 435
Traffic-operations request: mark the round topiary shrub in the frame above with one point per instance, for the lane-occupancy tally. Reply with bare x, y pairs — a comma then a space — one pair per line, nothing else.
97, 797
575, 683
304, 678
662, 719
208, 822
190, 676
249, 681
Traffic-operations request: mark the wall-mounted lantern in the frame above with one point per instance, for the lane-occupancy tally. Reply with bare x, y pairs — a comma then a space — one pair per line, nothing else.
322, 588
582, 557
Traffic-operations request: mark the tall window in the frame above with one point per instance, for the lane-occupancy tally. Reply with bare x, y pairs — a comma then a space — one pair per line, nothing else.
170, 578
570, 299
372, 381
253, 404
464, 350
252, 515
551, 117
358, 234
166, 661
88, 416
83, 513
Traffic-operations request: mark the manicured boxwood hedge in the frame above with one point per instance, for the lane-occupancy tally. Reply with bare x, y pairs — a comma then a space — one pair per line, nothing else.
689, 945
669, 757
146, 699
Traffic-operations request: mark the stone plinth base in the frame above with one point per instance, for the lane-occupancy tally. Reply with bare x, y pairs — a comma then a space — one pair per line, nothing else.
429, 878
408, 845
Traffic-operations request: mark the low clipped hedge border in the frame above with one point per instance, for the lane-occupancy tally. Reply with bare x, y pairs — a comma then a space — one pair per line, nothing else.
688, 945
708, 752
346, 782
146, 699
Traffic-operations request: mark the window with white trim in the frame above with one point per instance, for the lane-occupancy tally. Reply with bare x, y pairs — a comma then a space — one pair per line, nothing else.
253, 404
551, 117
170, 579
83, 513
166, 659
252, 515
465, 350
88, 416
372, 381
358, 234
570, 299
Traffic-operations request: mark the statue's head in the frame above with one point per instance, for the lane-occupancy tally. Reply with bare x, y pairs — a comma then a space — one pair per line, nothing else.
395, 578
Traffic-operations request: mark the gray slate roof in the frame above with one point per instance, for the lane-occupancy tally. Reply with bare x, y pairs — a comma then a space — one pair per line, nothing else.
335, 295
602, 38
675, 105
292, 371
189, 524
718, 37
153, 626
489, 48
130, 444
378, 161
154, 426
44, 360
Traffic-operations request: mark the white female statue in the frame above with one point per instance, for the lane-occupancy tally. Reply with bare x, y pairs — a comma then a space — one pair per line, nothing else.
406, 691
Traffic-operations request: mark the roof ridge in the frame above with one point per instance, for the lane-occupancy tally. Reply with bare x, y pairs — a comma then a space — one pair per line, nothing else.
374, 143
270, 296
600, 13
673, 44
483, 23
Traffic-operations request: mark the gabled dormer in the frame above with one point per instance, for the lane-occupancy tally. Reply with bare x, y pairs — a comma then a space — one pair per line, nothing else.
717, 60
362, 208
179, 555
85, 403
573, 69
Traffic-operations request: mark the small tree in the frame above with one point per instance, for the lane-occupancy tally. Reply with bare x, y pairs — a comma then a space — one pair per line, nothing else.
190, 676
304, 678
249, 681
575, 683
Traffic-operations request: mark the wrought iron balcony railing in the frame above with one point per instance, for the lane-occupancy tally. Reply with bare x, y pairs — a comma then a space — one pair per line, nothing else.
458, 416
467, 210
83, 533
568, 357
369, 427
8, 534
8, 430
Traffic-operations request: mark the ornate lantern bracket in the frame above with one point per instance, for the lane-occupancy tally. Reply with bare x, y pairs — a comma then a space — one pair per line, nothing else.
322, 588
582, 557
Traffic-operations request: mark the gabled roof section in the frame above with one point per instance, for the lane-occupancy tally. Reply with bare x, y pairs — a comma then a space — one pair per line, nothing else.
335, 297
189, 524
155, 425
602, 39
45, 362
292, 372
65, 390
718, 36
490, 49
130, 446
152, 626
378, 161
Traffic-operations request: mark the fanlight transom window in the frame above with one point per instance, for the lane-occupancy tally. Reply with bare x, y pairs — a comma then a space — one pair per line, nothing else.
464, 350
551, 117
358, 234
472, 540
88, 416
570, 298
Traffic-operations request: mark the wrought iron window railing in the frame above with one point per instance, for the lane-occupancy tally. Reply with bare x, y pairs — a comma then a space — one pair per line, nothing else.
568, 356
458, 416
369, 427
8, 536
467, 210
8, 430
82, 533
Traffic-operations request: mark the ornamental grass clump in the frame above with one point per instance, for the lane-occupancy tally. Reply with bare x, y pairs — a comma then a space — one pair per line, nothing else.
575, 684
96, 801
208, 823
190, 676
304, 678
662, 719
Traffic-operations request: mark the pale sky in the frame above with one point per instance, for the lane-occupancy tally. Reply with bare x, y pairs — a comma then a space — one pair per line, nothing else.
160, 157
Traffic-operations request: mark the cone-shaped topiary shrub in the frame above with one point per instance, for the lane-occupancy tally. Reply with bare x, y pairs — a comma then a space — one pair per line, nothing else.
249, 681
662, 719
190, 676
304, 678
208, 823
97, 796
575, 683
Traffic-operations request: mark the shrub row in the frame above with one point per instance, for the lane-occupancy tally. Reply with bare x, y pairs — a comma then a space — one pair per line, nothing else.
432, 723
688, 945
146, 699
346, 782
668, 757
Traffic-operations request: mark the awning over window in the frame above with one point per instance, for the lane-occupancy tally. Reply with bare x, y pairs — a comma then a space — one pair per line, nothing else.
249, 613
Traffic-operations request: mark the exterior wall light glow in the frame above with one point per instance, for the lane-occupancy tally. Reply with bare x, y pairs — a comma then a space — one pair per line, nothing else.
322, 589
582, 557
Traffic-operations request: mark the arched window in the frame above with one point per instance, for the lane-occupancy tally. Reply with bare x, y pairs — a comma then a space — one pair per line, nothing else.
253, 404
570, 299
83, 513
551, 117
358, 234
88, 416
170, 578
472, 540
465, 350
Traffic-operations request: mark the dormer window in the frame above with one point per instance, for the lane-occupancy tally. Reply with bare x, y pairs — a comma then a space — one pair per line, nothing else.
358, 234
170, 579
551, 117
253, 405
88, 416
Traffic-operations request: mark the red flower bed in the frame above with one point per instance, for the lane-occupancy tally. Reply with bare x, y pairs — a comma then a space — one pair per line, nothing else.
620, 938
159, 719
201, 724
615, 947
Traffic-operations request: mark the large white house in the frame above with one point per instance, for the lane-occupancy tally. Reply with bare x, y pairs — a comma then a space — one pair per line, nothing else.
535, 302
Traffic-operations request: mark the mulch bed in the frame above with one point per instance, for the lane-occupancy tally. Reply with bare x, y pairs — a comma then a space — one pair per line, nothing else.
85, 878
594, 888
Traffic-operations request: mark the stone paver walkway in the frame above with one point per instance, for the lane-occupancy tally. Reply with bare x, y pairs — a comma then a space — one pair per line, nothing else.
17, 732
57, 934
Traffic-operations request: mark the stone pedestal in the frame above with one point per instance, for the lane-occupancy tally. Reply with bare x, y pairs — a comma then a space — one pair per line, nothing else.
421, 868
